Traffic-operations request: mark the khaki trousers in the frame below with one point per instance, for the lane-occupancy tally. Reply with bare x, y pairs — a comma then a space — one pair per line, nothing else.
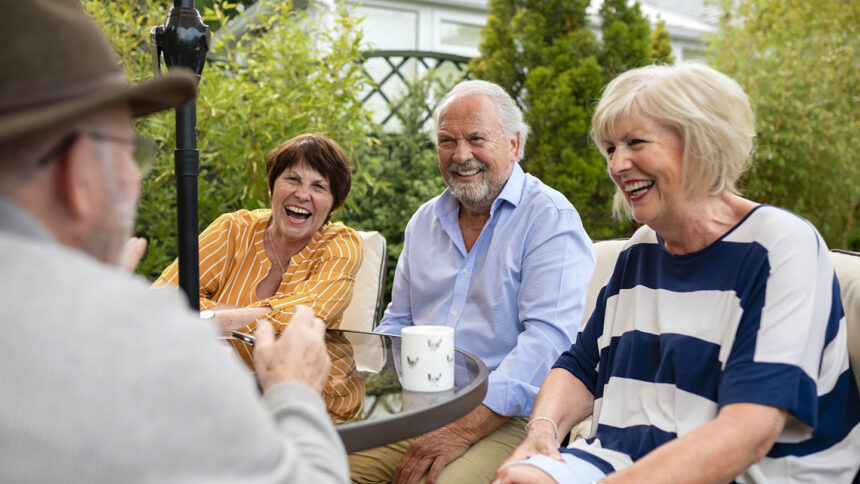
477, 465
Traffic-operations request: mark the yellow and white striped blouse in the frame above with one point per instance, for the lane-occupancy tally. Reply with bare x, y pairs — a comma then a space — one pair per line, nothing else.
322, 275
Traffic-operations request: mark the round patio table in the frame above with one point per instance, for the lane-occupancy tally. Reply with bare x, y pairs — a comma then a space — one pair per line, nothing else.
389, 413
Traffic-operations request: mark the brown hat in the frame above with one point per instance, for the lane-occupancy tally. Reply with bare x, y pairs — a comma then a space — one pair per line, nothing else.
56, 64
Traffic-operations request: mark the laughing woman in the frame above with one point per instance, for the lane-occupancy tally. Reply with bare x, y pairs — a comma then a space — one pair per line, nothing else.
263, 263
716, 351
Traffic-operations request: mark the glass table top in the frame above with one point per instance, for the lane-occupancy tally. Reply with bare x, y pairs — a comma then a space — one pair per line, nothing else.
389, 413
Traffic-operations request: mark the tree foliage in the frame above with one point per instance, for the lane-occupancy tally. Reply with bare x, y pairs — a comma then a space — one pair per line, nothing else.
293, 76
543, 54
798, 63
661, 48
626, 37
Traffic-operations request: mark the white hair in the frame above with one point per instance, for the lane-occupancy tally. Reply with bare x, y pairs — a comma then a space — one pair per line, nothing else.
510, 115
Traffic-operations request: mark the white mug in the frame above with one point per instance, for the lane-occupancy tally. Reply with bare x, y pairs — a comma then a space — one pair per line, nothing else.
427, 358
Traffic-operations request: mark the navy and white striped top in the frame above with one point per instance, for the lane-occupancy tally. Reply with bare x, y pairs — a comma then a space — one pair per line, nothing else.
754, 317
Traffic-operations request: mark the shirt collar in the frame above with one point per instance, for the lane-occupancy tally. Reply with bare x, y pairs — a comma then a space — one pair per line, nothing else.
513, 190
15, 219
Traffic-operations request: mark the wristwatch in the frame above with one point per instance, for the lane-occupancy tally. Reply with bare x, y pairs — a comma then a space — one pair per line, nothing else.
207, 314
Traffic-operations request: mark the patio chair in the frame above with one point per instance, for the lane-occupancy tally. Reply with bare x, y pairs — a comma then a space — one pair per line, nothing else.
365, 309
847, 266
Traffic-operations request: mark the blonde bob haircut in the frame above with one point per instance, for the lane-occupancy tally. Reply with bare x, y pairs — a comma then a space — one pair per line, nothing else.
708, 110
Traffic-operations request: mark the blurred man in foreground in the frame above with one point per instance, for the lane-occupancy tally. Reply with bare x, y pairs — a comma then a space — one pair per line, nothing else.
100, 383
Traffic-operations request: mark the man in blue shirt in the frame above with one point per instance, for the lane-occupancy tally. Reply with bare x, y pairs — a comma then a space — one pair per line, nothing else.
501, 258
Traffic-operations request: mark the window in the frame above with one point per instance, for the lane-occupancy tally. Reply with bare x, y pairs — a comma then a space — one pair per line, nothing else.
460, 34
389, 28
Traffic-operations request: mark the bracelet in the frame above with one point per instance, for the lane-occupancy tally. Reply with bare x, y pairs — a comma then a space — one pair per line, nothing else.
554, 427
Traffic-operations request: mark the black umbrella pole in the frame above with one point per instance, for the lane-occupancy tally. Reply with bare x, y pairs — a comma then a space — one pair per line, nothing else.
183, 41
187, 167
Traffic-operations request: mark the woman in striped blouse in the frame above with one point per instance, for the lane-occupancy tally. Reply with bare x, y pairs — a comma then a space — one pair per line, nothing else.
263, 263
716, 350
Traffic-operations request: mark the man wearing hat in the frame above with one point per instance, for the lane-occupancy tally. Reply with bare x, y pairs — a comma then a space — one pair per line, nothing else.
102, 380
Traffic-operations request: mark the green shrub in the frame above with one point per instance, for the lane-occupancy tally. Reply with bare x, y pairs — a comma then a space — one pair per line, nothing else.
545, 55
290, 77
661, 48
798, 63
853, 240
626, 37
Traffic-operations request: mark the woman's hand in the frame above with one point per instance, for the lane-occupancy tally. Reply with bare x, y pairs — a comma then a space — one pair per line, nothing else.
540, 439
229, 320
522, 474
223, 306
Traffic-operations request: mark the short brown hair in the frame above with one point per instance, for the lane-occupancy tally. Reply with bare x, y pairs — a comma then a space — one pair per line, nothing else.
320, 153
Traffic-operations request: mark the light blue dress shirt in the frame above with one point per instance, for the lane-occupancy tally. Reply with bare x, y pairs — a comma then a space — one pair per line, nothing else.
515, 300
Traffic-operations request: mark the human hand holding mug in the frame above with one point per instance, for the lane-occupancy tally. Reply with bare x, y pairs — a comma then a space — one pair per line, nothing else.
299, 355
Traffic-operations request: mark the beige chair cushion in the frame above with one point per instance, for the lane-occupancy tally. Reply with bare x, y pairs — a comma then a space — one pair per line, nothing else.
847, 266
607, 253
365, 309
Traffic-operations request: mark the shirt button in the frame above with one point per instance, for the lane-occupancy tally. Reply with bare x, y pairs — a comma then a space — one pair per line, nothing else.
465, 271
453, 313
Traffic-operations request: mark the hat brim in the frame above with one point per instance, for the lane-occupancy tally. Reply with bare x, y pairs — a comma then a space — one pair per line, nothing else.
153, 95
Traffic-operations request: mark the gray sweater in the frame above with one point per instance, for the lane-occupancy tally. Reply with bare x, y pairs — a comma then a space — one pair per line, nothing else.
104, 380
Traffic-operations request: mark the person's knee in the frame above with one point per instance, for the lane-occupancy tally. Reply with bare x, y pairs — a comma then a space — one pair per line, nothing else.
480, 462
466, 471
376, 465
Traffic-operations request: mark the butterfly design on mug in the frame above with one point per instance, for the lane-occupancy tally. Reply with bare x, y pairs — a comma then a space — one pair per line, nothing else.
434, 380
412, 362
434, 346
450, 359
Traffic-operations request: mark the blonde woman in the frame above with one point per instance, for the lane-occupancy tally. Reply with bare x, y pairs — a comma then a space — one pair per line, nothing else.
716, 351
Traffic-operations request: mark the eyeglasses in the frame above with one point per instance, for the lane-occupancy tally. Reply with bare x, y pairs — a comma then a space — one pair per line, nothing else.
143, 154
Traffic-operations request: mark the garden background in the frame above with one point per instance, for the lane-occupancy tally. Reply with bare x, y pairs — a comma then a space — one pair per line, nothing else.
291, 74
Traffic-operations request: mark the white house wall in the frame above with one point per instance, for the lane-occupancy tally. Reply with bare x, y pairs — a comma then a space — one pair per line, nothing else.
387, 22
453, 27
427, 22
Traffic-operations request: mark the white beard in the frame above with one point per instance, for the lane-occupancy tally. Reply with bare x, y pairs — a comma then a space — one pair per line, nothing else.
477, 196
